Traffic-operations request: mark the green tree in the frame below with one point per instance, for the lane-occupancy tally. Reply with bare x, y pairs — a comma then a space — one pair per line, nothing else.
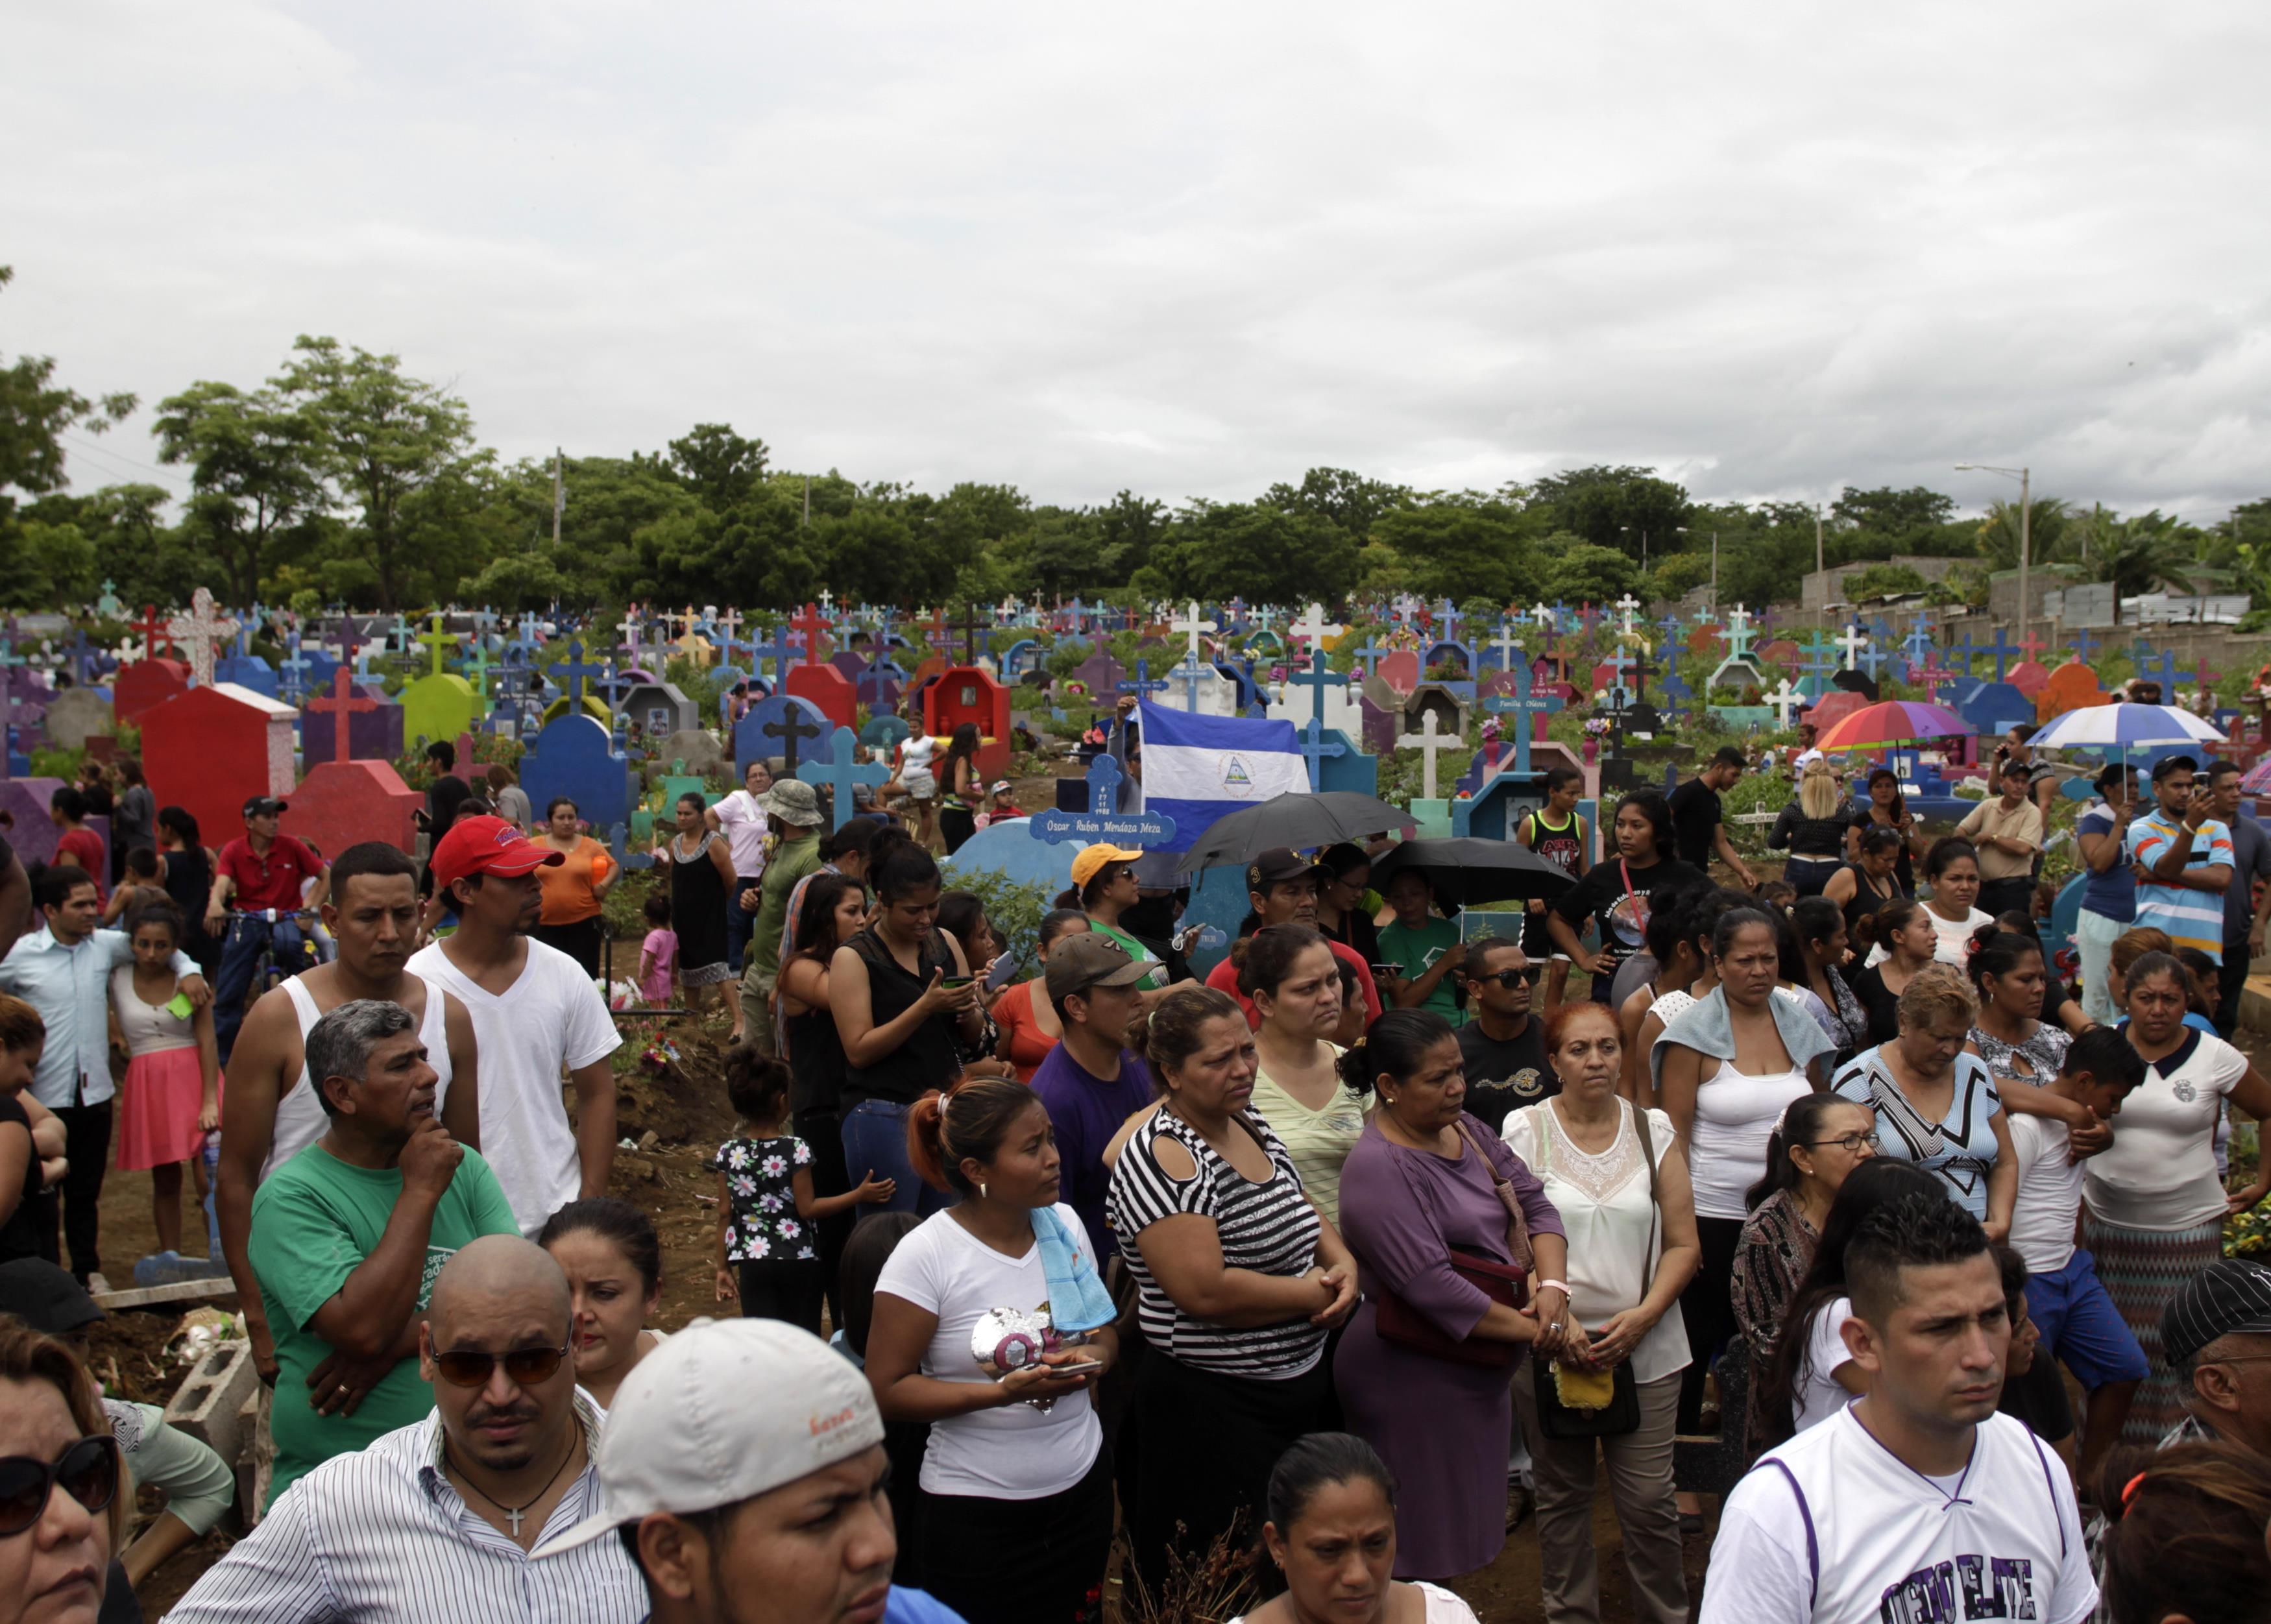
2141, 555
35, 414
718, 465
1465, 546
2048, 520
1678, 575
255, 472
1216, 551
1884, 581
1580, 572
1892, 514
382, 437
1348, 502
1616, 507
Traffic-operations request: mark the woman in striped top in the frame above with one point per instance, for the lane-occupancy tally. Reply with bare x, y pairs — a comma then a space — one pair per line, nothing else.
1238, 1281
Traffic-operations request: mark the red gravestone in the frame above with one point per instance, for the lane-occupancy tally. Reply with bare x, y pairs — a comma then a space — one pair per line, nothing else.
2030, 677
967, 693
828, 690
1781, 651
1835, 706
1703, 641
2072, 687
344, 803
145, 685
212, 749
1401, 671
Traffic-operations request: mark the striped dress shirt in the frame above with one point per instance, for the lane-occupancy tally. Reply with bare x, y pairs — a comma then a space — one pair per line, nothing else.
383, 1537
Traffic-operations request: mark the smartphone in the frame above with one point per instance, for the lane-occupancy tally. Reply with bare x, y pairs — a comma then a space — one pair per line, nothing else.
1382, 972
1005, 971
954, 983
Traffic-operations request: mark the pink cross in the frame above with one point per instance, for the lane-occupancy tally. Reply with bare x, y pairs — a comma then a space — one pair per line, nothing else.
342, 705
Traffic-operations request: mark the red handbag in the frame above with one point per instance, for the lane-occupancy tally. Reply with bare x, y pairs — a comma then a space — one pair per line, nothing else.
1398, 1322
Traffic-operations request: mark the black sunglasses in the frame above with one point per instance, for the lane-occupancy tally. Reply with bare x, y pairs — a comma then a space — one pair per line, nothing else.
1508, 977
88, 1471
527, 1366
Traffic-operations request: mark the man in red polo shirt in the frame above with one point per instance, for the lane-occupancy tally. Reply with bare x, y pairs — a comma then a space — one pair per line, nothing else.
1281, 885
258, 871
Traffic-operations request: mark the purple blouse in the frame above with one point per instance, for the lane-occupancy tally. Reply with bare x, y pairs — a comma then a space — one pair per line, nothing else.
1402, 1211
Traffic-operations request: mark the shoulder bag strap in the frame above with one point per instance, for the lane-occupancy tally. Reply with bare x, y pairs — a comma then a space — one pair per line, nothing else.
1517, 1225
1654, 1197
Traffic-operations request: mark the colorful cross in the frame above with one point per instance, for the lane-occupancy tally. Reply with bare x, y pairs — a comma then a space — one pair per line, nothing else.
1318, 678
342, 705
843, 773
438, 642
789, 727
151, 628
1316, 749
574, 669
1525, 703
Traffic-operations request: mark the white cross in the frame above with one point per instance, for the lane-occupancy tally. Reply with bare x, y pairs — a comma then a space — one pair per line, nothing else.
1625, 605
1784, 700
629, 626
1853, 641
827, 603
1543, 616
1194, 626
1505, 645
1428, 741
1311, 627
199, 631
1738, 620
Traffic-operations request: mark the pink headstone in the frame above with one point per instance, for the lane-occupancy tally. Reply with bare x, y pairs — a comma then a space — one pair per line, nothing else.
1401, 671
2030, 677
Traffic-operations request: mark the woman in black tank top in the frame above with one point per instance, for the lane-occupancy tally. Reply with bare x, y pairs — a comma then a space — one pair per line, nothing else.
829, 914
1861, 888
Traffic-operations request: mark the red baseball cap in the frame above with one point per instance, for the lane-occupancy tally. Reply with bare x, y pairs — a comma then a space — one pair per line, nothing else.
487, 845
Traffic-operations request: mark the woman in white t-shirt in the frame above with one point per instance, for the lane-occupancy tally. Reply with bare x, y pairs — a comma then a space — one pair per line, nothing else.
1811, 1375
2153, 1207
973, 1331
1952, 869
1330, 1498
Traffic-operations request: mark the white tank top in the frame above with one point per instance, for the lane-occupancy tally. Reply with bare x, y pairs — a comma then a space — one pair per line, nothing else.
300, 1116
1735, 1114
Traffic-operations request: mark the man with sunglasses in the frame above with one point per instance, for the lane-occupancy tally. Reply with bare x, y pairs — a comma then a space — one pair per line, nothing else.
1501, 1044
348, 1235
438, 1518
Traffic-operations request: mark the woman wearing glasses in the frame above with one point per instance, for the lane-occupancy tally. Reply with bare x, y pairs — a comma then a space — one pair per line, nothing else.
1344, 879
1820, 1140
61, 1513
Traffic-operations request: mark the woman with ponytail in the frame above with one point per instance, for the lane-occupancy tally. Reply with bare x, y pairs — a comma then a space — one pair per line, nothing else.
990, 1323
1899, 939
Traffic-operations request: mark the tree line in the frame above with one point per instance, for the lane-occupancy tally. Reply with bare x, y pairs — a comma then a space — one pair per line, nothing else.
340, 479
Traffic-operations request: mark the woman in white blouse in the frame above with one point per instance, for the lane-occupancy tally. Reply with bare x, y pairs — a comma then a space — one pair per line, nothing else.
1952, 869
2153, 1207
1632, 1250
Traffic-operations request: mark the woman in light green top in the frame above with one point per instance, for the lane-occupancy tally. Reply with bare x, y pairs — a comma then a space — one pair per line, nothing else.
1291, 974
1427, 947
1102, 887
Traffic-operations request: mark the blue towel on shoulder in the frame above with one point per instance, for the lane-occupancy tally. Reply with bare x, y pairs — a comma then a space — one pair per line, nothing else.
1077, 1299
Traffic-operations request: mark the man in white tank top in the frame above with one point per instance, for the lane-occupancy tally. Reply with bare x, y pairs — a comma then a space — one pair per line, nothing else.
269, 1110
1917, 1504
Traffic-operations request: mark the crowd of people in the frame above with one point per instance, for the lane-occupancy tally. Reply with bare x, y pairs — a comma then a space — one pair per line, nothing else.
1322, 1256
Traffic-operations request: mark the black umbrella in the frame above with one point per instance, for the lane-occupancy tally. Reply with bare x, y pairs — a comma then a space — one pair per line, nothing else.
1295, 820
1467, 872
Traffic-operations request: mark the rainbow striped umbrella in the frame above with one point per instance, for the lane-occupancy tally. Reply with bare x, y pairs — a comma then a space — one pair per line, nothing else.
1894, 721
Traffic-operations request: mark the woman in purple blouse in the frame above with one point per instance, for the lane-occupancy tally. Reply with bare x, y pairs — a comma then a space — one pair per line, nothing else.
1422, 1181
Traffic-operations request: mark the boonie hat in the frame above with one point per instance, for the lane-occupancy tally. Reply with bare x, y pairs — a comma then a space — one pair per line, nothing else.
1275, 867
254, 805
1090, 959
721, 1413
1093, 859
2230, 1295
792, 801
486, 844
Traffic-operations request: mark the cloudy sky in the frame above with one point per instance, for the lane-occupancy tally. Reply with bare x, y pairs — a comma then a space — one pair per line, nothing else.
1189, 249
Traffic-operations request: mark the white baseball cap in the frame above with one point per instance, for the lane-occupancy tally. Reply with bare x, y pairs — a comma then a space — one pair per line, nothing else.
721, 1413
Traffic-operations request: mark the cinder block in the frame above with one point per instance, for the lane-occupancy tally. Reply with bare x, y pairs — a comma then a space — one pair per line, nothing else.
209, 1405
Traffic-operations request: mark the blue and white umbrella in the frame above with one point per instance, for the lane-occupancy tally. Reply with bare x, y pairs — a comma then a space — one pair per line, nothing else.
2124, 727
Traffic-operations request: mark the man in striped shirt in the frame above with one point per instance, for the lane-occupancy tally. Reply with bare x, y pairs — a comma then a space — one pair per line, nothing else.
2183, 859
434, 1523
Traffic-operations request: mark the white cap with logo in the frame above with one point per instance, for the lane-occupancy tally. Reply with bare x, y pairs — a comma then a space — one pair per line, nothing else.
721, 1413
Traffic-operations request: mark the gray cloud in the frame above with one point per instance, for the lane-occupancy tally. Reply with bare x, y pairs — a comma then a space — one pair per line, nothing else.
1772, 249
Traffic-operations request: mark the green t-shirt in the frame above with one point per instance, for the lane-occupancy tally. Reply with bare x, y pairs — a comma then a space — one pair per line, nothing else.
1416, 951
792, 861
1137, 951
314, 1221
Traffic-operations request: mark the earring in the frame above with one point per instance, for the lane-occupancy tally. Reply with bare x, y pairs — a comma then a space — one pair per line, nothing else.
981, 1190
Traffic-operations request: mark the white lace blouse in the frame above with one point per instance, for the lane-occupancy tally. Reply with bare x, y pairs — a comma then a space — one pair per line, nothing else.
1614, 1234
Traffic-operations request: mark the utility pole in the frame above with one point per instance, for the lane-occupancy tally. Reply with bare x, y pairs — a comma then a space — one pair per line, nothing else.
1822, 614
559, 498
1715, 572
2025, 476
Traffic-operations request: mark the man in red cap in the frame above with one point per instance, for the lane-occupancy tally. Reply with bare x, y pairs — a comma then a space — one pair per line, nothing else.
535, 1014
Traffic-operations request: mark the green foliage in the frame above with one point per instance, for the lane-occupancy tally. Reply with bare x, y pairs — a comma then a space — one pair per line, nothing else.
1884, 581
1013, 907
1615, 507
35, 414
1583, 573
622, 907
1677, 575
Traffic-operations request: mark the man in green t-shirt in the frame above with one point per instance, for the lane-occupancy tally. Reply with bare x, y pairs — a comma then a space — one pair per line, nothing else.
1427, 948
348, 1235
793, 807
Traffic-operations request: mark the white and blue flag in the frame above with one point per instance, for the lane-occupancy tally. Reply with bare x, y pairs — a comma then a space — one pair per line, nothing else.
1198, 769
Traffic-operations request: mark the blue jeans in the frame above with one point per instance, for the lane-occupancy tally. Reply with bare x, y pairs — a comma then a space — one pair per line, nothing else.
739, 925
875, 1140
240, 954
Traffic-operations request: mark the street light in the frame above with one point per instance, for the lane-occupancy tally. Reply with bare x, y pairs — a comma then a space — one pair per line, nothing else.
2026, 520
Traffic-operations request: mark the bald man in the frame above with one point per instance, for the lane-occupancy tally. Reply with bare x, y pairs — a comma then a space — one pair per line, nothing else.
506, 1456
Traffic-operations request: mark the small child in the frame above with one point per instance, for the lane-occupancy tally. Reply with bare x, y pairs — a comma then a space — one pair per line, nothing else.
659, 953
1778, 894
1000, 808
170, 1098
768, 1238
141, 884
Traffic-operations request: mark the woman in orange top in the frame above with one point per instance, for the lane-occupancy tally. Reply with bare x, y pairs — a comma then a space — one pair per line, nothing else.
574, 891
1028, 1024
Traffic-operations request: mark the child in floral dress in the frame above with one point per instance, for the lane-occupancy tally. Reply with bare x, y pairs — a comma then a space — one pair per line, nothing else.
767, 1244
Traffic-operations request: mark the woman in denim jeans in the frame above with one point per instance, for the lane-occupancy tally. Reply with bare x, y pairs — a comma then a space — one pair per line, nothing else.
899, 991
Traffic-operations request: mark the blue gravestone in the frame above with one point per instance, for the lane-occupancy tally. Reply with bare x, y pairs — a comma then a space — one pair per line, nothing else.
575, 756
1995, 707
248, 671
1348, 769
885, 732
764, 731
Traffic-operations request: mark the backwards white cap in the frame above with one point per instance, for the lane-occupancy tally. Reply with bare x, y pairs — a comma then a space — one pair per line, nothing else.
721, 1413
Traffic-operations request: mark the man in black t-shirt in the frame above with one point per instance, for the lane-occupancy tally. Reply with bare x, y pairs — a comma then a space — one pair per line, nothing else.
1503, 1048
1697, 829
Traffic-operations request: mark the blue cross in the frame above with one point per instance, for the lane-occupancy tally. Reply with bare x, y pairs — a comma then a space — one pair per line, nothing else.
574, 669
1918, 642
2084, 645
781, 650
1315, 748
1964, 649
1523, 704
2164, 671
293, 670
1875, 659
1191, 676
1450, 616
1819, 649
1145, 681
843, 772
1104, 778
1670, 626
1319, 677
83, 655
2000, 651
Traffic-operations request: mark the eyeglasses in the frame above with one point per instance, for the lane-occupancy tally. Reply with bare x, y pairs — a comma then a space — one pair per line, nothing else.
1508, 977
527, 1366
1847, 1143
87, 1470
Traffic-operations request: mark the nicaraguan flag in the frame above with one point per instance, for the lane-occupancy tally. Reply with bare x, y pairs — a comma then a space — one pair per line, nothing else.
1199, 768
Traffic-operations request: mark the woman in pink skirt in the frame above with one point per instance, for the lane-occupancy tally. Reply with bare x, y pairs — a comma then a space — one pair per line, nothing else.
171, 1098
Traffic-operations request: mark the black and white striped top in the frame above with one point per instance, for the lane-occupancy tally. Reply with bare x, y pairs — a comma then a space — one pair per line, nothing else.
1269, 1228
